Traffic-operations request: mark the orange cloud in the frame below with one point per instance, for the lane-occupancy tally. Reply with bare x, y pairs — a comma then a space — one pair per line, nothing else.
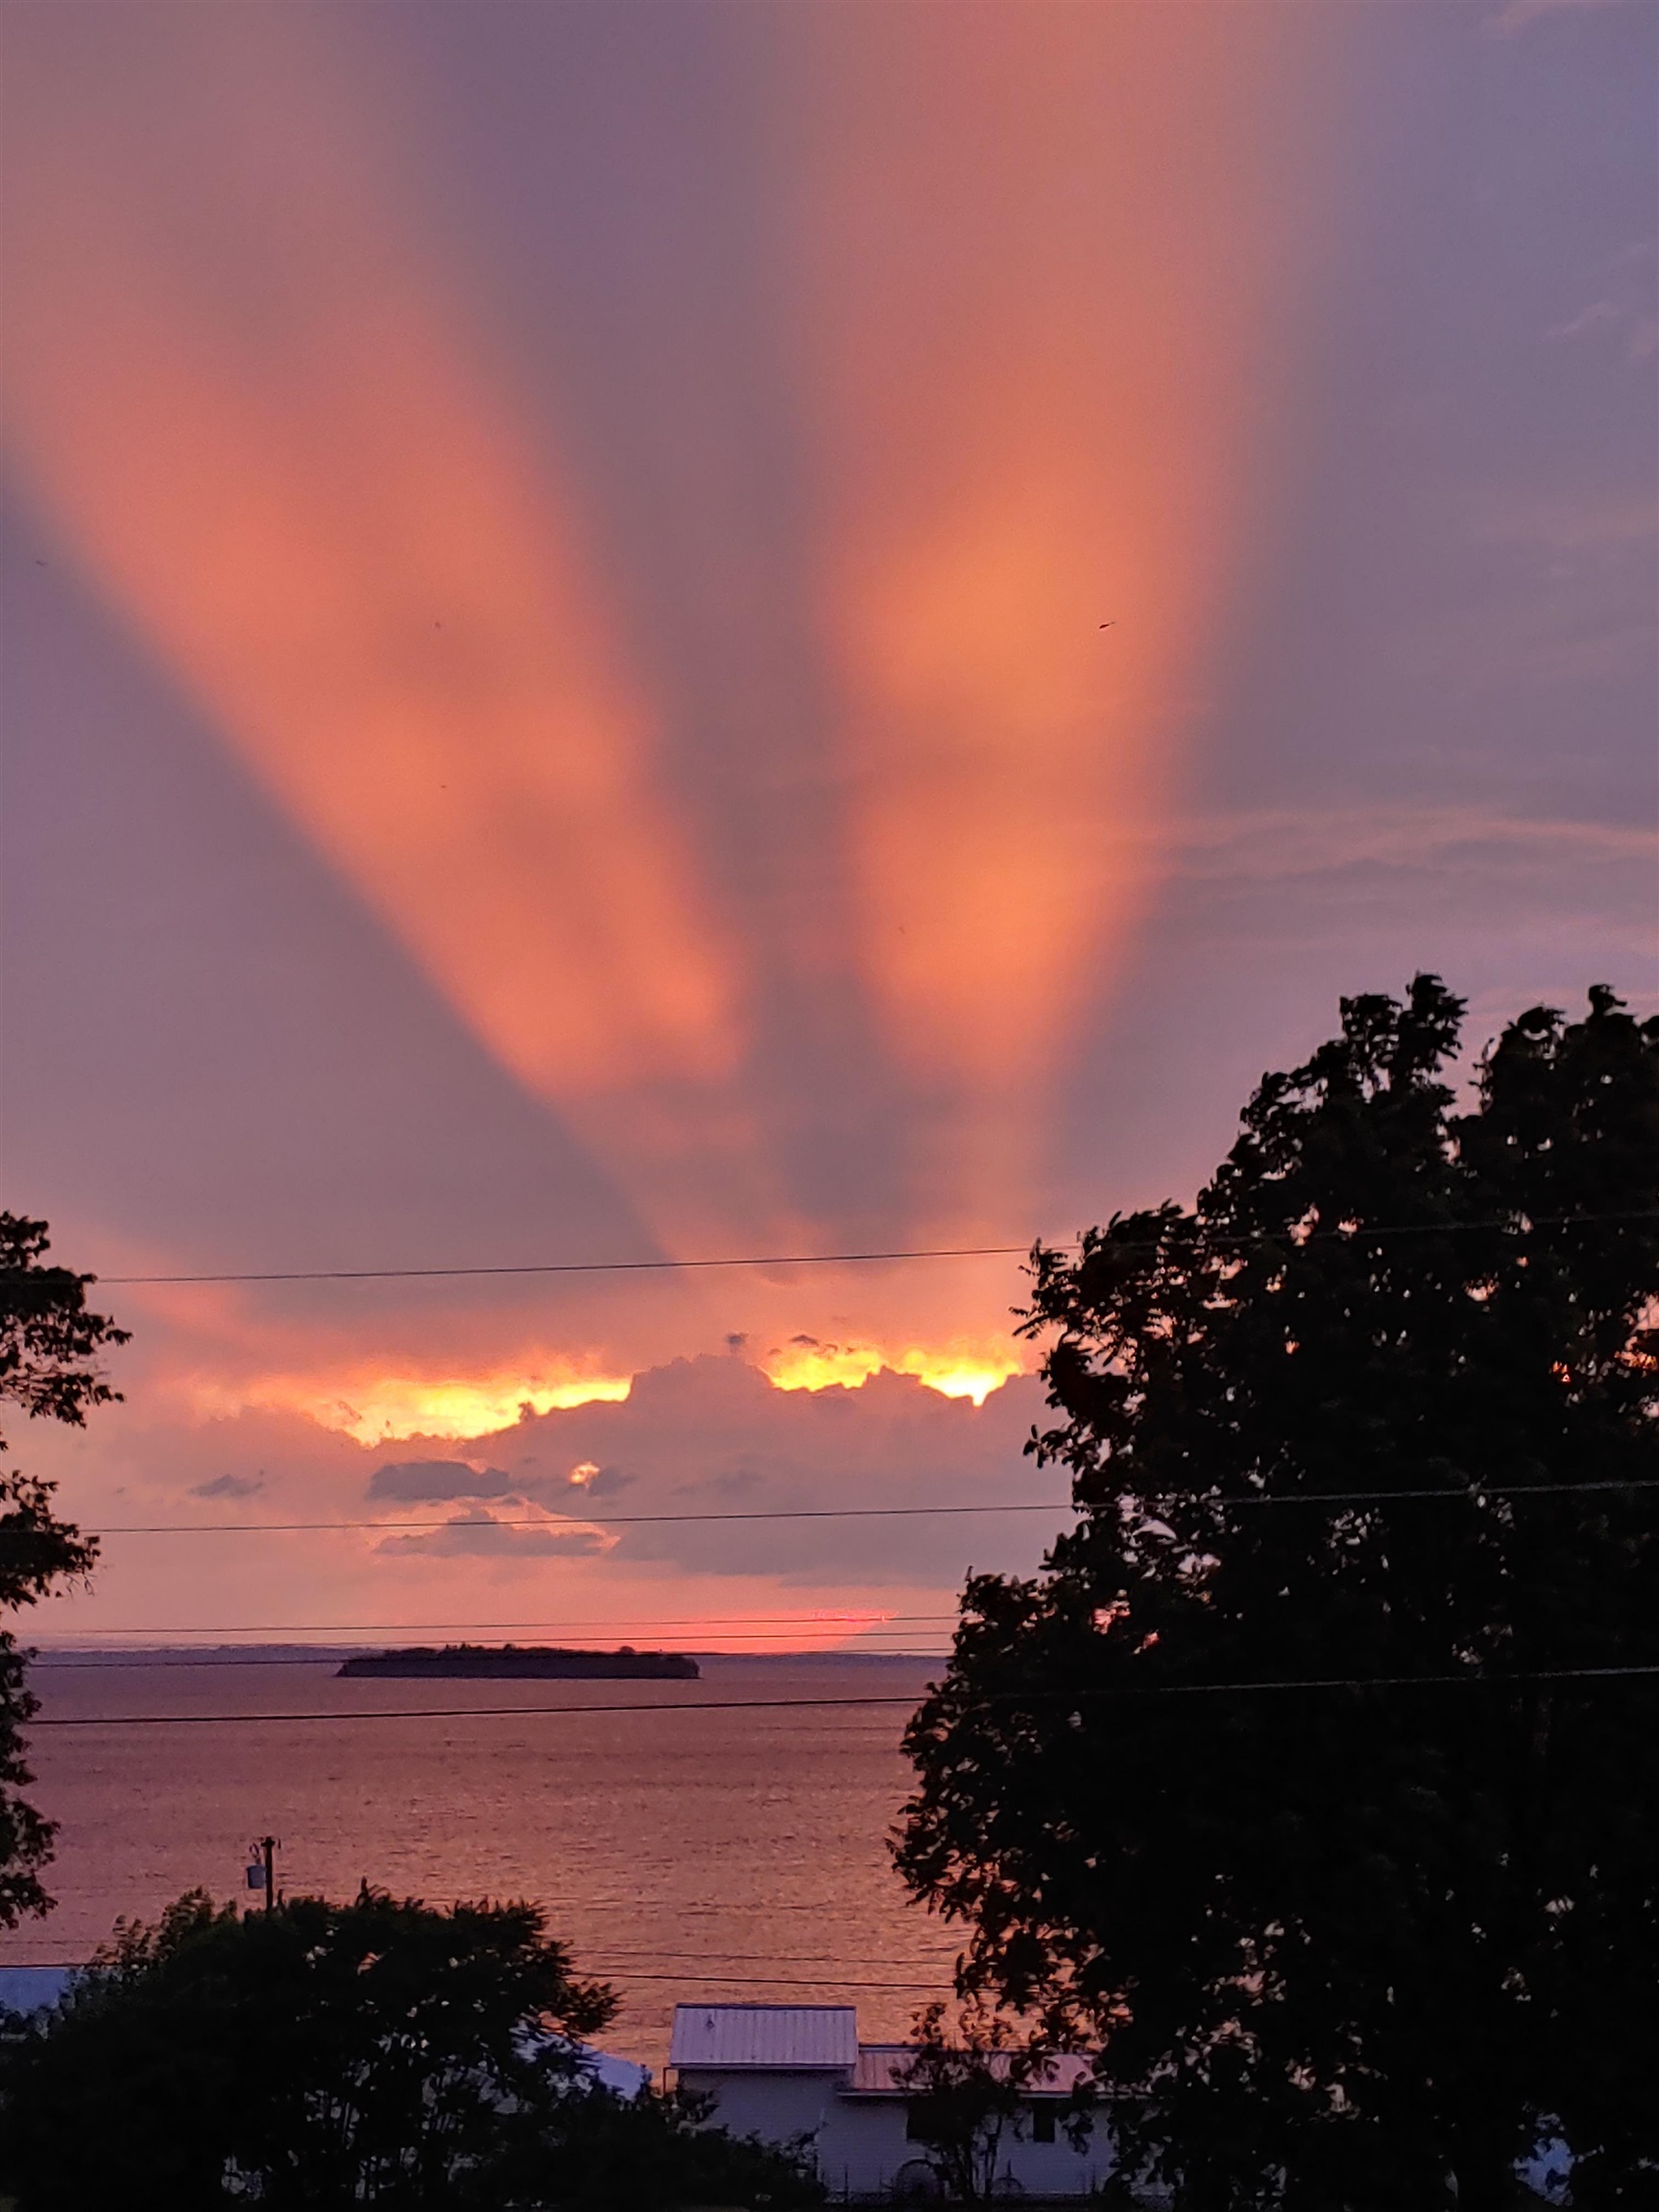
378, 1408
1038, 255
1051, 247
375, 1405
249, 401
381, 1368
955, 1370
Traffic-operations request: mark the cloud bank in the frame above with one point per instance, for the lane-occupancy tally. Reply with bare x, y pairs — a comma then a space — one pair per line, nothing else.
713, 1437
704, 1509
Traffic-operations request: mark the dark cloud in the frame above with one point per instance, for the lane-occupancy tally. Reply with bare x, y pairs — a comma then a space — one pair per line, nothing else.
433, 1478
228, 1486
476, 1533
599, 1481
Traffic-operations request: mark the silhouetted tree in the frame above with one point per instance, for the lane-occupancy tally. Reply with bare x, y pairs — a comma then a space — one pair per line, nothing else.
654, 2153
49, 1339
49, 1347
1366, 1420
966, 2086
378, 2053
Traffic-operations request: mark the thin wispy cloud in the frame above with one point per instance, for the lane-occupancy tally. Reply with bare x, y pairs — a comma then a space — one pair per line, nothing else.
478, 1534
1282, 844
1518, 15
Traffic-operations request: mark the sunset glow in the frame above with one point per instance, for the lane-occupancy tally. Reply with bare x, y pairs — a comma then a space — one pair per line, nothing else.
955, 1372
376, 578
1034, 434
676, 677
354, 553
377, 1409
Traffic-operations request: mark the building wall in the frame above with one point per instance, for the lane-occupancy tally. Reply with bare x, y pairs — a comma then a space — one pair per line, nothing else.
777, 2104
863, 2145
860, 2142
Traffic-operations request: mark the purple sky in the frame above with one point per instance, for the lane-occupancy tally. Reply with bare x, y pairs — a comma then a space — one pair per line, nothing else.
553, 705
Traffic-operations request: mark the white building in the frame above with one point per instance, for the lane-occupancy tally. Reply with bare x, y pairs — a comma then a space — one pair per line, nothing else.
793, 2074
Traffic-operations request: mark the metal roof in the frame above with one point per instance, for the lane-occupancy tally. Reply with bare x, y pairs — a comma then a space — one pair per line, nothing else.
804, 2036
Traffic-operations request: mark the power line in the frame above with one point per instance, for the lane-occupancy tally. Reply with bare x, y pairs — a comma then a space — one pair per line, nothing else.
1363, 1232
1460, 1682
770, 1642
632, 1954
600, 1972
1475, 1494
576, 1523
755, 1958
1357, 1232
590, 1266
1472, 1494
453, 1711
626, 1625
604, 1973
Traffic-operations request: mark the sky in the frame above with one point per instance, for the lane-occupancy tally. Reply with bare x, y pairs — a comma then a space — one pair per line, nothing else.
644, 633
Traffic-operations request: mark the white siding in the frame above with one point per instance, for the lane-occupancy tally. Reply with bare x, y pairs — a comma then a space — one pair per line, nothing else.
778, 2106
794, 2074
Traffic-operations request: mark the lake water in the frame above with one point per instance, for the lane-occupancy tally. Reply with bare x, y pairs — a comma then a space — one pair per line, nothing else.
693, 1842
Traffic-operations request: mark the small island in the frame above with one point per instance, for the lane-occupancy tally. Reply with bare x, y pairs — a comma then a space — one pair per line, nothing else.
533, 1662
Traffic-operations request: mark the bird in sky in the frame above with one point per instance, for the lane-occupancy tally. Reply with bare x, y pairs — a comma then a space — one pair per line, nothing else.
1109, 625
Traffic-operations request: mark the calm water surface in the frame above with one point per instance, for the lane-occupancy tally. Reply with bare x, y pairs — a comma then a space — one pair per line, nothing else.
727, 1852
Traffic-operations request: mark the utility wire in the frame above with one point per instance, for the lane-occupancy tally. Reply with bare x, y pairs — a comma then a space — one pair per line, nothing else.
1460, 1682
630, 1954
1474, 1493
760, 1957
1354, 1235
577, 1522
590, 1266
756, 1980
452, 1712
604, 1974
626, 1625
771, 1647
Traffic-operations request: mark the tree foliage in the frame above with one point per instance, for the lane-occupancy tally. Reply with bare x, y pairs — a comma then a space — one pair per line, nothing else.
966, 2087
654, 2153
50, 1339
377, 2053
1359, 1421
49, 1345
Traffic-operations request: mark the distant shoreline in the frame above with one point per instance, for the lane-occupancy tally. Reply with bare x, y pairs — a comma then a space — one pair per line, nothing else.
519, 1663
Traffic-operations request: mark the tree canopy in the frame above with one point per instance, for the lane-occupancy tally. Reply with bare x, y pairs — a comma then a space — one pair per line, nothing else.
1293, 1778
50, 1341
49, 1338
966, 2086
380, 2053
